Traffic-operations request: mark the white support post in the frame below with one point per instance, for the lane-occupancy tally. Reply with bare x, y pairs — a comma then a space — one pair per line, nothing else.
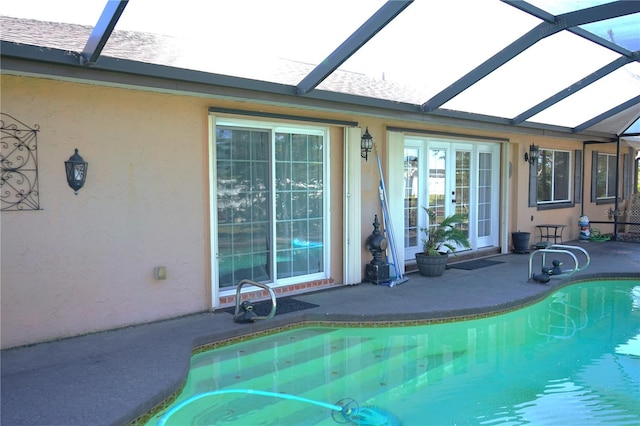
352, 272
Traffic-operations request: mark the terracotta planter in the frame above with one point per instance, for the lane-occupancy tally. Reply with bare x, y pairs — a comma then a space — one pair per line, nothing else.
431, 266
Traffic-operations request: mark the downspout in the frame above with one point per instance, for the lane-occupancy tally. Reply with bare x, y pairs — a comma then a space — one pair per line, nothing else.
584, 160
616, 212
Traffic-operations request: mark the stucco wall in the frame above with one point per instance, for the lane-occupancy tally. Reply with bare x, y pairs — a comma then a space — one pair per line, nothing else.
528, 217
85, 263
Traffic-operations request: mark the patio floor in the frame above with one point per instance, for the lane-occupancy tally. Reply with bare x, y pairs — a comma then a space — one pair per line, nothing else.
115, 376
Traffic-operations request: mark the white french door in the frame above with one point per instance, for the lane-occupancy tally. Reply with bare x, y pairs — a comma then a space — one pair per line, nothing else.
451, 177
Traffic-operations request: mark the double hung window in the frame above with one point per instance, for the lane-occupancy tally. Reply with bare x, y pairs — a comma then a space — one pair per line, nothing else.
605, 176
271, 202
554, 176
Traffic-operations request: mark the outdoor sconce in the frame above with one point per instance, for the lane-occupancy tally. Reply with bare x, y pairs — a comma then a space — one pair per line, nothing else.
366, 143
532, 156
76, 169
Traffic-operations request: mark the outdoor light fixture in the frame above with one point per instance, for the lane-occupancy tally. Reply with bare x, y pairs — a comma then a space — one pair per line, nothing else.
532, 156
366, 143
76, 169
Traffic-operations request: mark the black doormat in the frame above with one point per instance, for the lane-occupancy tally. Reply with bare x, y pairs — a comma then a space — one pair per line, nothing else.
284, 305
475, 264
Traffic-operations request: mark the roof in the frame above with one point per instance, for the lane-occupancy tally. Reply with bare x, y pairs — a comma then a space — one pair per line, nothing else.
543, 65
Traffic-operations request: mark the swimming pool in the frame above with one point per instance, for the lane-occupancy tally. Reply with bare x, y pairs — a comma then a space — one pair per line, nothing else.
573, 358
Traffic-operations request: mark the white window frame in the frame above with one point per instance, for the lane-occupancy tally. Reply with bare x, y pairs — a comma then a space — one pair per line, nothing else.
608, 184
553, 176
273, 128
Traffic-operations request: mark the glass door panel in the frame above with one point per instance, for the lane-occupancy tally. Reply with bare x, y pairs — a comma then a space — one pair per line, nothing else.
437, 178
242, 162
487, 210
299, 204
484, 194
411, 198
462, 196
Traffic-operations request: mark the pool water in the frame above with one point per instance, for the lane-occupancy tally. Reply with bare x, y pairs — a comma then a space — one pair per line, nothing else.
572, 359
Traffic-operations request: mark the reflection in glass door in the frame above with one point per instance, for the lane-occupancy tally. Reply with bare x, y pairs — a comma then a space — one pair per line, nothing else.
411, 191
450, 182
487, 210
437, 178
243, 200
270, 204
461, 195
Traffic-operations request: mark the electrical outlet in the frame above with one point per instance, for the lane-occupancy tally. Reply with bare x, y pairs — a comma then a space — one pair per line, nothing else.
160, 272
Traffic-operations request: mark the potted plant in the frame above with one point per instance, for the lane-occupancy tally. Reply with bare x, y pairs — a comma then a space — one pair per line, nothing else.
440, 238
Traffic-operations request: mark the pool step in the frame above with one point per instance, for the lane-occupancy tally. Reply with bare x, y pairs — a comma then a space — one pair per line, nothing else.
371, 390
285, 369
365, 383
381, 368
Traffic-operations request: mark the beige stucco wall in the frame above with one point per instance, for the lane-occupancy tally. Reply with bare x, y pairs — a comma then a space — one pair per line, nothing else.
528, 217
85, 263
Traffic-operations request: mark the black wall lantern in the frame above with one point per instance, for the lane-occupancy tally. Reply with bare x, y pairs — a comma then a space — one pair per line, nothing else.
532, 156
366, 143
76, 169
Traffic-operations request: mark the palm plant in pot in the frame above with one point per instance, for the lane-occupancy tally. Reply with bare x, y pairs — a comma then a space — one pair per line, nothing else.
440, 238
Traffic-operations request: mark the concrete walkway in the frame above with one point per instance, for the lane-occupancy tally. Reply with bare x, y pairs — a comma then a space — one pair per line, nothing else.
114, 377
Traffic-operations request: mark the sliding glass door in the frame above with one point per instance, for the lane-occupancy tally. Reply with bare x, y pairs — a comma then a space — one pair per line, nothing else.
271, 204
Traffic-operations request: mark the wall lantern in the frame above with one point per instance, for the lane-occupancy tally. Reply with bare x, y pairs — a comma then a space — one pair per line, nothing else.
76, 169
532, 156
366, 143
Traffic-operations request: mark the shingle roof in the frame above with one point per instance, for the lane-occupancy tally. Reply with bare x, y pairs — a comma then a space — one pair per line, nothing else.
144, 47
181, 54
171, 51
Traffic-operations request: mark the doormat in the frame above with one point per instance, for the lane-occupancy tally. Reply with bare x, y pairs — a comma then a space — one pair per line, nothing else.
284, 305
475, 264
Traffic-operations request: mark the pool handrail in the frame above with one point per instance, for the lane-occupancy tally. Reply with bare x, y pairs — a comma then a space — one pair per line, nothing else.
563, 249
263, 286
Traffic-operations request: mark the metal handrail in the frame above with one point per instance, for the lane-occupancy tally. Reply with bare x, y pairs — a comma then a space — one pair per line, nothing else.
568, 247
263, 286
563, 249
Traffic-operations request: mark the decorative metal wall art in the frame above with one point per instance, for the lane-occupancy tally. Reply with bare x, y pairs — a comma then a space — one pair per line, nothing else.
18, 165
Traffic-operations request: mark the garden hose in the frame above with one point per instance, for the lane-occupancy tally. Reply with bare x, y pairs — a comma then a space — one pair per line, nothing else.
348, 408
596, 236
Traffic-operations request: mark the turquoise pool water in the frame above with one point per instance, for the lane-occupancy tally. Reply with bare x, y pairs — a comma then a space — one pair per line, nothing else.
572, 359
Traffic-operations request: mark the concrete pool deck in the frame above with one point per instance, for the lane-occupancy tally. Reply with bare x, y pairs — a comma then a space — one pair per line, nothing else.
113, 377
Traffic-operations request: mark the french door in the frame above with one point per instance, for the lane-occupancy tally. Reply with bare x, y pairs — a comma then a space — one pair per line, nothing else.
451, 177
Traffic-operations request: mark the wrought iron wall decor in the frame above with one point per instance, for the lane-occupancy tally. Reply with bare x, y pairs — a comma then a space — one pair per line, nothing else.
18, 165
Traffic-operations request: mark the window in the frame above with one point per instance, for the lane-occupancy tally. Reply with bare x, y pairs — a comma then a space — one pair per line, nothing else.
554, 176
270, 202
605, 176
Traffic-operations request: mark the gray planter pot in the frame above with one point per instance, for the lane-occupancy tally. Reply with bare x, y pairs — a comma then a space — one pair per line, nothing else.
431, 266
520, 242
